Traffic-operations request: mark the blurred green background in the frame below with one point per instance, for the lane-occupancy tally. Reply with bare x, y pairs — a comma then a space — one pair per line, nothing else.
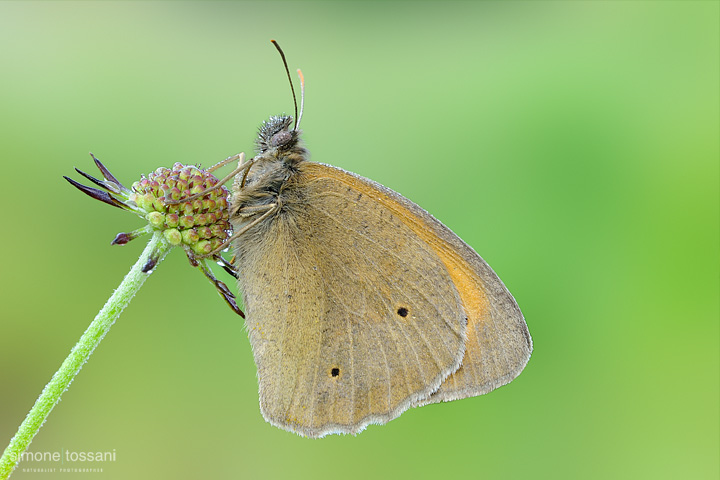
574, 145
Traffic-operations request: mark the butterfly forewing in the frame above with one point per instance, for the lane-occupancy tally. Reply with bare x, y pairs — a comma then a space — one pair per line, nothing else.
498, 344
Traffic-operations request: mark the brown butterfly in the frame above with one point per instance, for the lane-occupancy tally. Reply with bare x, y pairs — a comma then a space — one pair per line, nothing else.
359, 304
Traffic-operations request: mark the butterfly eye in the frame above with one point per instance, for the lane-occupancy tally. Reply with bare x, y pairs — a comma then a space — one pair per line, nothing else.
281, 139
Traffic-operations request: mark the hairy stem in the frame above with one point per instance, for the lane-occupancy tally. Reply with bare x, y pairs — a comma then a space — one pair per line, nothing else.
156, 249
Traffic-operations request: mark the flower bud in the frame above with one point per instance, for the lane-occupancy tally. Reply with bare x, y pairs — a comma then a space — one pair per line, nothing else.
200, 223
173, 236
156, 219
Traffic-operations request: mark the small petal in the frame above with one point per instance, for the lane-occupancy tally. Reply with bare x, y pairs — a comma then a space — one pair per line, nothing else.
172, 220
187, 221
156, 219
205, 232
203, 247
173, 236
190, 237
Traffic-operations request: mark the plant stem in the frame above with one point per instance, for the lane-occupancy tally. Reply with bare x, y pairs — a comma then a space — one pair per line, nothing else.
157, 248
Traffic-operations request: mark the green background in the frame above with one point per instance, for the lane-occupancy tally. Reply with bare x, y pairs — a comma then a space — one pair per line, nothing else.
574, 145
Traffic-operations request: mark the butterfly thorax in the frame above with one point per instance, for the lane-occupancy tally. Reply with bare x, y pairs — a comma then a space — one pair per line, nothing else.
279, 155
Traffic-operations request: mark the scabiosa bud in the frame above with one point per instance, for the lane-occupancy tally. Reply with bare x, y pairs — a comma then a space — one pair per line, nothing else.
189, 222
183, 203
159, 201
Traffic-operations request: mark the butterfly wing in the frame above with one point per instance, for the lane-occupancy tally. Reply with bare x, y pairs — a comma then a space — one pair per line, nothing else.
352, 316
498, 344
357, 302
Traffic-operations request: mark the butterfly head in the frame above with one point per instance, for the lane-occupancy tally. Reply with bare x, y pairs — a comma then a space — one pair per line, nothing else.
277, 138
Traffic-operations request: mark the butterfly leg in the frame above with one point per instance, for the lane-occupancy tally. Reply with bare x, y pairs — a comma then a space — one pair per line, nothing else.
244, 166
222, 163
221, 288
246, 212
227, 266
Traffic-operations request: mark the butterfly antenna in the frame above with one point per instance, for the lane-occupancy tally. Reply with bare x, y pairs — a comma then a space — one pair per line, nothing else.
302, 98
287, 70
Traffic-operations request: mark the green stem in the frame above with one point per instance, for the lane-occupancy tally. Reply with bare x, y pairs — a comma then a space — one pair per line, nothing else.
158, 248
